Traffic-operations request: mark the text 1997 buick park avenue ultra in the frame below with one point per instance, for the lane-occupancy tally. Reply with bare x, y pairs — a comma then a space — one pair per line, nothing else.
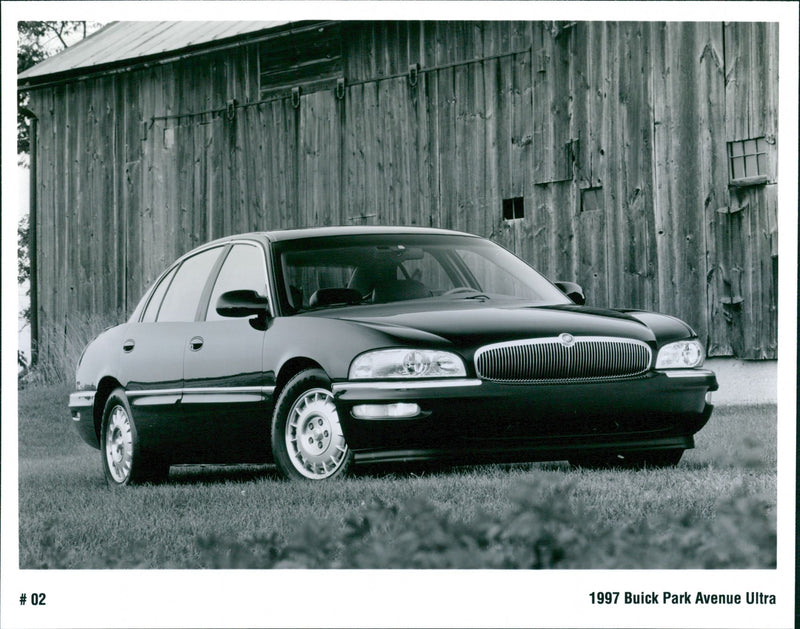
317, 348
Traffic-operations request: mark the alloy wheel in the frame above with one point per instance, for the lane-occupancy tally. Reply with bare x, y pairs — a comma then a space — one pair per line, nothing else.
119, 444
314, 438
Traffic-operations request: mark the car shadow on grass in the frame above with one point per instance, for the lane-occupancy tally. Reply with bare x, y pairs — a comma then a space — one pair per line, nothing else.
214, 474
218, 474
444, 468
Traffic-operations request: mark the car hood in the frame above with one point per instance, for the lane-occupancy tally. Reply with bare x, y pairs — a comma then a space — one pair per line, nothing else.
470, 324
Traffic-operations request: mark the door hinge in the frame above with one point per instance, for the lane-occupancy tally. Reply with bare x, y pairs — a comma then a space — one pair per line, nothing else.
732, 210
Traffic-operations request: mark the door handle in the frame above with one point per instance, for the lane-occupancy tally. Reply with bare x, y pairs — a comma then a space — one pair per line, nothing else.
128, 345
196, 343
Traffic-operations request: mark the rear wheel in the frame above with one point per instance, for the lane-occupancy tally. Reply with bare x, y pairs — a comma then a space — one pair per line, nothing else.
124, 461
307, 438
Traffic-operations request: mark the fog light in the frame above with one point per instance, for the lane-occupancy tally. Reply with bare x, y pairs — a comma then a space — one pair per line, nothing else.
76, 416
386, 411
709, 398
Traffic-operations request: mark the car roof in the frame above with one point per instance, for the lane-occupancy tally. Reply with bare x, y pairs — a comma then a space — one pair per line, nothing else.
354, 230
319, 232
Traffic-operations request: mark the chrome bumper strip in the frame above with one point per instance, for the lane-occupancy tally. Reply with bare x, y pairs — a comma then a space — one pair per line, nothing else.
81, 398
87, 398
198, 391
686, 373
137, 393
404, 385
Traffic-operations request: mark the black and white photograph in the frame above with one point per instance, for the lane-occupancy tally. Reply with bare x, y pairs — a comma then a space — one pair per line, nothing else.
402, 314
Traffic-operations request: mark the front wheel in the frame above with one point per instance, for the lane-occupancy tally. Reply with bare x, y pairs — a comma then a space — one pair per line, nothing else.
307, 438
124, 461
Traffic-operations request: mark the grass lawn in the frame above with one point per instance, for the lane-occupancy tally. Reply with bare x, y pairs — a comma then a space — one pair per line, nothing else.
716, 509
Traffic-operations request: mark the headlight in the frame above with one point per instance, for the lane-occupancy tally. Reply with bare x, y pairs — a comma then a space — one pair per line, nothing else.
680, 355
406, 363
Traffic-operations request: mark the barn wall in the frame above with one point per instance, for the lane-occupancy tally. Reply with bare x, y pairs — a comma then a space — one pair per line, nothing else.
614, 135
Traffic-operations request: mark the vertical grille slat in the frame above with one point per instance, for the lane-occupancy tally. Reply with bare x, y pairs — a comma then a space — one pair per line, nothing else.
550, 360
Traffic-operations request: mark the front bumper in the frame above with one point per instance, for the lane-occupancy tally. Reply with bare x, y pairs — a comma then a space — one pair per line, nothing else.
661, 409
81, 406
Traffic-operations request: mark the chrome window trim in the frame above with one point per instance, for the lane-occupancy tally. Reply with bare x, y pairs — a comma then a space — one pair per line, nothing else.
266, 267
148, 295
264, 255
178, 266
216, 243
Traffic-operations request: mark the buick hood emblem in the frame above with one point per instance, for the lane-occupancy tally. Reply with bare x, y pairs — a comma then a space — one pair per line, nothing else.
567, 340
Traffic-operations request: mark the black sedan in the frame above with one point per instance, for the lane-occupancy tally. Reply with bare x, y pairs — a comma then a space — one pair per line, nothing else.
316, 348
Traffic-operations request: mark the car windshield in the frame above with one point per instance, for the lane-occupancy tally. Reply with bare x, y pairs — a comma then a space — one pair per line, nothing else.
374, 269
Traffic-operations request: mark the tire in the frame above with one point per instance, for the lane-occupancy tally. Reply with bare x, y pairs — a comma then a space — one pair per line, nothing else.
124, 460
307, 438
633, 460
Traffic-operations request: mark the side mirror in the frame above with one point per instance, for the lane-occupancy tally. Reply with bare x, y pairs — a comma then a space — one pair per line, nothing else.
573, 291
242, 303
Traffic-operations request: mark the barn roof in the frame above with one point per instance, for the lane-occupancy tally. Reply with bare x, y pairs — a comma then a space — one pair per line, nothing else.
121, 44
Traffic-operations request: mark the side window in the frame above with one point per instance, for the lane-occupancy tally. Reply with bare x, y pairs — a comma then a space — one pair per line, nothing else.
183, 295
243, 269
155, 300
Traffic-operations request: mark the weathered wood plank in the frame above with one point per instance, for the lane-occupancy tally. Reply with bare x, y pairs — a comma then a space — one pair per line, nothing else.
521, 98
447, 147
429, 91
319, 163
391, 156
352, 189
70, 216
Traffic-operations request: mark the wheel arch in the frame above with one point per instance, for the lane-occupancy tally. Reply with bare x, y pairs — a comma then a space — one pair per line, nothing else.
104, 389
290, 369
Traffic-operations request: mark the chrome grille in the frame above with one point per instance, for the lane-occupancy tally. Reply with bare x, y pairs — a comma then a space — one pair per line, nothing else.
551, 360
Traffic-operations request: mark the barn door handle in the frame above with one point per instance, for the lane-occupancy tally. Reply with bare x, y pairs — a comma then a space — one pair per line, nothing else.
196, 343
413, 74
128, 345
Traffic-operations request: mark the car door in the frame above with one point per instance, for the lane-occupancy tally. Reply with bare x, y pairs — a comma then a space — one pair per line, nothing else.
223, 400
153, 349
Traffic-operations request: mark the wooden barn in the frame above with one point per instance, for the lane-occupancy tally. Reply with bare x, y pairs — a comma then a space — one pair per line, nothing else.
638, 159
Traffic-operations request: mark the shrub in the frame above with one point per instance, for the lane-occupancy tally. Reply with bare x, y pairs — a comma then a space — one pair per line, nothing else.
415, 534
546, 527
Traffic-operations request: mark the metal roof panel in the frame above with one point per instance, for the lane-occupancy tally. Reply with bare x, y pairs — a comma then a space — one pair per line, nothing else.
119, 42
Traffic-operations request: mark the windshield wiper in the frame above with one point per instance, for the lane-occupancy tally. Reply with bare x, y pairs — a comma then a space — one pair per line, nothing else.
459, 293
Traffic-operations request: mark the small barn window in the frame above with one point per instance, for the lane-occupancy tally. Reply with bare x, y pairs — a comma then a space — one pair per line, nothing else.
310, 58
513, 208
748, 162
